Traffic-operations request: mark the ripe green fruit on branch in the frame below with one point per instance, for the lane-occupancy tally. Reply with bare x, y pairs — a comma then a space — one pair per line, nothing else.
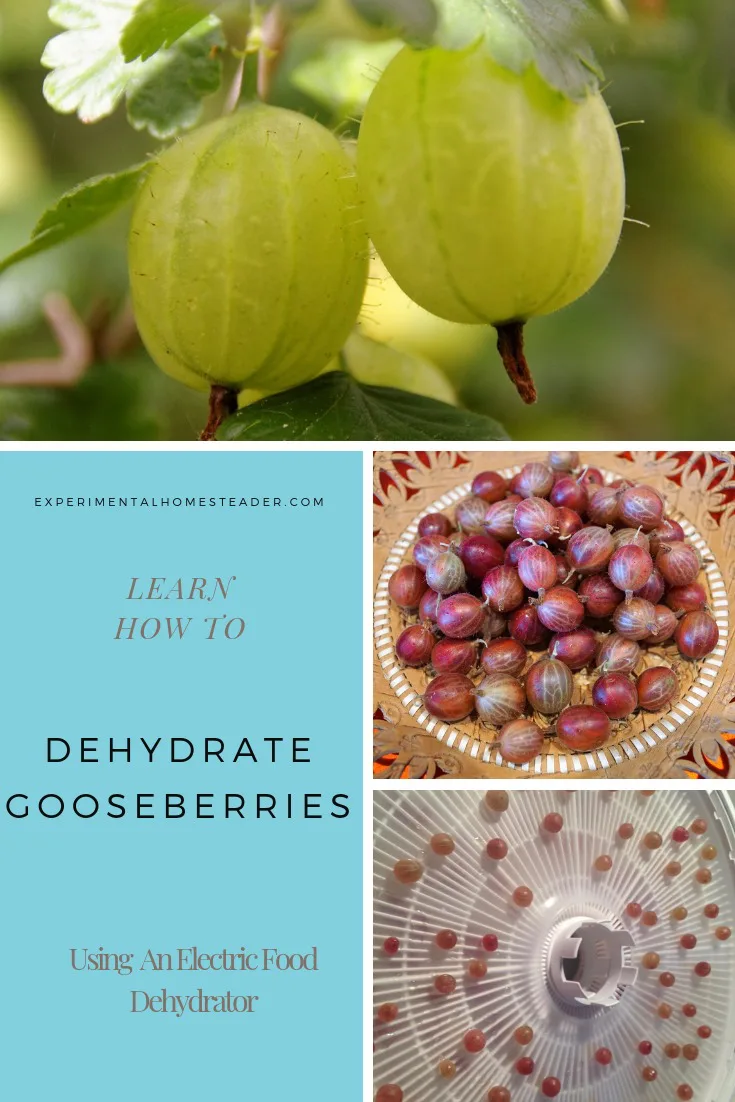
248, 254
491, 197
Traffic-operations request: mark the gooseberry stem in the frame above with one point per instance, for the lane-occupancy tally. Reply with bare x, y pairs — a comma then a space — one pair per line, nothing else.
222, 404
510, 347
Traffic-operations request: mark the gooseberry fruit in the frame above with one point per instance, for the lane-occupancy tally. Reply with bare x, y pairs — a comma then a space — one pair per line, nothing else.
582, 728
503, 589
589, 550
499, 698
657, 687
560, 609
470, 514
635, 619
549, 686
504, 656
667, 531
490, 486
407, 586
446, 573
563, 461
520, 741
499, 520
678, 562
629, 568
666, 625
641, 507
426, 549
480, 553
537, 568
601, 597
623, 536
450, 697
567, 493
686, 598
429, 605
549, 169
697, 635
533, 480
603, 506
247, 252
525, 626
453, 655
414, 645
567, 522
460, 616
618, 655
654, 588
575, 649
435, 524
616, 695
535, 518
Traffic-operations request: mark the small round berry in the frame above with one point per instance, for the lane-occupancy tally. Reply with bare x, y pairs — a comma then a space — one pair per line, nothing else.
704, 1032
645, 1048
722, 933
497, 801
684, 1092
387, 1012
679, 914
711, 910
634, 910
690, 1052
523, 1035
474, 1040
653, 840
553, 822
447, 1069
443, 844
550, 1087
523, 897
689, 1010
664, 1011
709, 853
446, 939
667, 979
649, 1074
391, 946
688, 941
680, 834
703, 876
525, 1065
490, 942
603, 863
408, 871
650, 960
476, 969
672, 1051
445, 984
626, 831
389, 1092
649, 918
498, 1094
673, 868
604, 1056
702, 968
497, 849
699, 826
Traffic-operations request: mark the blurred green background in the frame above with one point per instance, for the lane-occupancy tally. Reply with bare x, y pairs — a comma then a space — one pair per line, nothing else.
648, 353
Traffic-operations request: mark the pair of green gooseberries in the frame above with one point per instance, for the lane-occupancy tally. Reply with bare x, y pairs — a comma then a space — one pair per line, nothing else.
490, 197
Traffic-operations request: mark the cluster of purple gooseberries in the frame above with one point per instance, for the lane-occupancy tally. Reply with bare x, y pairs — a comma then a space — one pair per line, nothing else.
557, 560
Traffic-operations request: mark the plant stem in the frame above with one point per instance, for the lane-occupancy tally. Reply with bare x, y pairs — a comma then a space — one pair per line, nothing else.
510, 347
222, 404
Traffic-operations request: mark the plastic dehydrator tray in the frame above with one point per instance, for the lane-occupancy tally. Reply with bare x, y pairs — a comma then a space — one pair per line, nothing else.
647, 745
572, 965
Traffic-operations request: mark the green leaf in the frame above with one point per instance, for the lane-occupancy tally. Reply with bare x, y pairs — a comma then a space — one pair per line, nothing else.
157, 24
166, 96
343, 75
79, 209
415, 20
519, 33
90, 74
336, 407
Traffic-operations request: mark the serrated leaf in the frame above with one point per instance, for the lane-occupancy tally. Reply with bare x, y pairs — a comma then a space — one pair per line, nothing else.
78, 210
166, 95
519, 33
336, 407
416, 20
343, 75
90, 75
157, 24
